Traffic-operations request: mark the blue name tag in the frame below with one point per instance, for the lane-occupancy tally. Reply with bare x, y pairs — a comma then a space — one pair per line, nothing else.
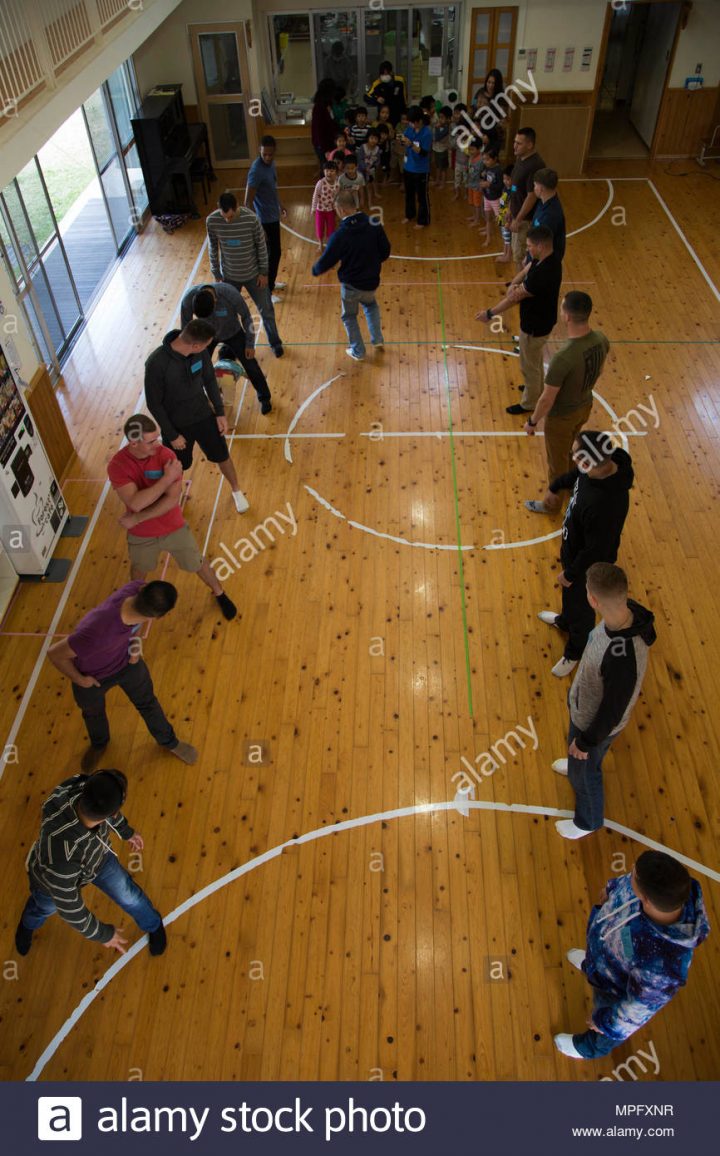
513, 188
232, 241
155, 474
196, 366
221, 312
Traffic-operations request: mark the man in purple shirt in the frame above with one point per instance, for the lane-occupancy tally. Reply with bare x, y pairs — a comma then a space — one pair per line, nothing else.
103, 651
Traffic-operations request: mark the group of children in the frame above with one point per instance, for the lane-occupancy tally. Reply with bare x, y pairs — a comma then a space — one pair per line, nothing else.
367, 155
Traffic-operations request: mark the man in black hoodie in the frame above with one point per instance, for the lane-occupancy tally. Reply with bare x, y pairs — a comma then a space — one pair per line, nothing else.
604, 691
361, 246
591, 531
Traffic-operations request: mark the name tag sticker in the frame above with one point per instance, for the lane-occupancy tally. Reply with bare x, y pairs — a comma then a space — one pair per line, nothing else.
233, 242
155, 474
221, 312
196, 366
513, 188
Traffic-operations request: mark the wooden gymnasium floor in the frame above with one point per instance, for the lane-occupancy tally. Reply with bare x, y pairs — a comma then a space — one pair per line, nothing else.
369, 953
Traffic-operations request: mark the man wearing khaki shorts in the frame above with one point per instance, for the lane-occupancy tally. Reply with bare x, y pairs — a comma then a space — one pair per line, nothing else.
147, 477
566, 400
522, 191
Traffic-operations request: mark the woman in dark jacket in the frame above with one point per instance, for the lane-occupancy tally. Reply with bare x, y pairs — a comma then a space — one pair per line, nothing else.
322, 126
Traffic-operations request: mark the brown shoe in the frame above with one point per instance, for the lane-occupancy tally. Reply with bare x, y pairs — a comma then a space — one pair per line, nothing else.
185, 753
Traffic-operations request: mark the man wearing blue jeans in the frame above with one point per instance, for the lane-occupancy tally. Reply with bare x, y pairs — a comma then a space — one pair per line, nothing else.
361, 246
73, 850
605, 690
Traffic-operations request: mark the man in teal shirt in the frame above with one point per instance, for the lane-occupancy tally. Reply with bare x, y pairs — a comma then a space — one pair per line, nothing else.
261, 195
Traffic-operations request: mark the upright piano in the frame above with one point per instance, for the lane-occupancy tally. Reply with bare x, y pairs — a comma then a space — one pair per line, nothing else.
167, 146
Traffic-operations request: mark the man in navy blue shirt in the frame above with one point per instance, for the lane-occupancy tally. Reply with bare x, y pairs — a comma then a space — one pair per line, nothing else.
417, 139
549, 211
261, 195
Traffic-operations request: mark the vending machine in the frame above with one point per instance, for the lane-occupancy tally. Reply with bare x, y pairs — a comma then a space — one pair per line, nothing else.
32, 509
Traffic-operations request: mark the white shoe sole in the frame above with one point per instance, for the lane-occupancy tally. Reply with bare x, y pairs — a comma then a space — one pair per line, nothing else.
560, 766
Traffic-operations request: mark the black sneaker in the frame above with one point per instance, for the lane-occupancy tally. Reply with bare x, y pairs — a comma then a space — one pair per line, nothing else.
92, 757
228, 607
157, 941
278, 350
516, 410
23, 939
266, 405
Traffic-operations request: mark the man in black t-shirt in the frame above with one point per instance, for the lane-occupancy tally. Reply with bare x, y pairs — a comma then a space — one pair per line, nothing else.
548, 210
522, 193
536, 288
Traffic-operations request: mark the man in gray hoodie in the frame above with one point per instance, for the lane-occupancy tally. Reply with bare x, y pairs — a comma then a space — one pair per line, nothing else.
604, 691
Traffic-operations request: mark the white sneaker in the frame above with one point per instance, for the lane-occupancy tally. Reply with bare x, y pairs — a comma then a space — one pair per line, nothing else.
380, 345
355, 356
564, 667
281, 284
560, 766
568, 830
549, 617
564, 1043
241, 502
275, 299
576, 956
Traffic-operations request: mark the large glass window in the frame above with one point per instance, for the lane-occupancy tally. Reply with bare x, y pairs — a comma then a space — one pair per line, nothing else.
293, 66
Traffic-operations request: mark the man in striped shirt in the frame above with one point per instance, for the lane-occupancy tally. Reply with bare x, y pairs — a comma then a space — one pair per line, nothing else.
73, 850
238, 254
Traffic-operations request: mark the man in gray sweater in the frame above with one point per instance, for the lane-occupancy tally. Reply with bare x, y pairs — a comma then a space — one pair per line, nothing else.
73, 849
182, 394
238, 254
604, 691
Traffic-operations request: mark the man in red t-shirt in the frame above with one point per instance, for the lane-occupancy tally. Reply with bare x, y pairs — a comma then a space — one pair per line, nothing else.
147, 477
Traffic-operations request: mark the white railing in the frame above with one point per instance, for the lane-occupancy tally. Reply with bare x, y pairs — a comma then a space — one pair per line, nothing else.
39, 37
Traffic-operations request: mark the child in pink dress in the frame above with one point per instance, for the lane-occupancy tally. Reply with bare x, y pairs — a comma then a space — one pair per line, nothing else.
323, 203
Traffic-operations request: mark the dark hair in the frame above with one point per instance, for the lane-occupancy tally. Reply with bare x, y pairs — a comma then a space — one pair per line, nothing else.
663, 880
460, 108
381, 130
446, 111
507, 171
155, 599
427, 102
578, 305
350, 160
548, 178
360, 108
329, 165
499, 86
268, 140
528, 132
227, 201
137, 425
338, 155
598, 445
198, 331
540, 233
491, 151
103, 794
386, 65
203, 303
474, 143
605, 580
325, 91
414, 113
373, 132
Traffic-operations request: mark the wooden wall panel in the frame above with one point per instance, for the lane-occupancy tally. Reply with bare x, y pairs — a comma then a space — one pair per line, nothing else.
49, 420
562, 132
685, 118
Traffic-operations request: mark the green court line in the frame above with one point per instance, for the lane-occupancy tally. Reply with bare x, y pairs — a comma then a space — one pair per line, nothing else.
457, 498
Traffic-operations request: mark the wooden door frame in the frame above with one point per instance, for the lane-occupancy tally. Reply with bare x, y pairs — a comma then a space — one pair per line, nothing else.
493, 10
239, 28
685, 7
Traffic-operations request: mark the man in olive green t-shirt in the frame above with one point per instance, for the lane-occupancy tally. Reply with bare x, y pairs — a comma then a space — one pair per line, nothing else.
566, 401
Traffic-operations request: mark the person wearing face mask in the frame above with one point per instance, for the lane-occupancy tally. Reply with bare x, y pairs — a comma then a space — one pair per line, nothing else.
388, 89
594, 520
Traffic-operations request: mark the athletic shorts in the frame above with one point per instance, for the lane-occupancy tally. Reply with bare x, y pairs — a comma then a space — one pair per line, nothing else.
208, 437
180, 545
475, 198
492, 206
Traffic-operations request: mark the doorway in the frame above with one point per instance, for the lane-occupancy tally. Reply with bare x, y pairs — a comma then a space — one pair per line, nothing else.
222, 82
638, 56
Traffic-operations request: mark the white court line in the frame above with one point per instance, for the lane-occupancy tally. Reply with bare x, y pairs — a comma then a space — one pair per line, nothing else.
271, 437
479, 256
221, 483
379, 533
300, 412
489, 349
524, 542
309, 837
687, 244
456, 433
35, 674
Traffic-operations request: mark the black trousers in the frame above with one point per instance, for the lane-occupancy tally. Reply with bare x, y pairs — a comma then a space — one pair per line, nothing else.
135, 680
272, 236
417, 199
577, 618
235, 347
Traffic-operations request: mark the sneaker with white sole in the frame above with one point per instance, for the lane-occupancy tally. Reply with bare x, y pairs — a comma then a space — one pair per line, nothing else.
275, 299
568, 830
564, 1043
576, 956
280, 285
564, 667
548, 616
560, 766
355, 356
241, 502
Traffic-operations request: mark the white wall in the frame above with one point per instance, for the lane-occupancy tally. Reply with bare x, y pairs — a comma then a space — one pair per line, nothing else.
699, 44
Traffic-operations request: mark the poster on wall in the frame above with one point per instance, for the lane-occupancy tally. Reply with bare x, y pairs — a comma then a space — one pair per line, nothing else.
568, 60
586, 59
435, 66
550, 59
532, 59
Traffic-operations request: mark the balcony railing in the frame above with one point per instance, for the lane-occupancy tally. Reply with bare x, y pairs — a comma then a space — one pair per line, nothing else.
39, 38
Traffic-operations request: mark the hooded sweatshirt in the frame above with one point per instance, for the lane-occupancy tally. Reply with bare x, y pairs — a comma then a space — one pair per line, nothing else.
361, 247
67, 855
609, 677
637, 965
180, 390
595, 516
